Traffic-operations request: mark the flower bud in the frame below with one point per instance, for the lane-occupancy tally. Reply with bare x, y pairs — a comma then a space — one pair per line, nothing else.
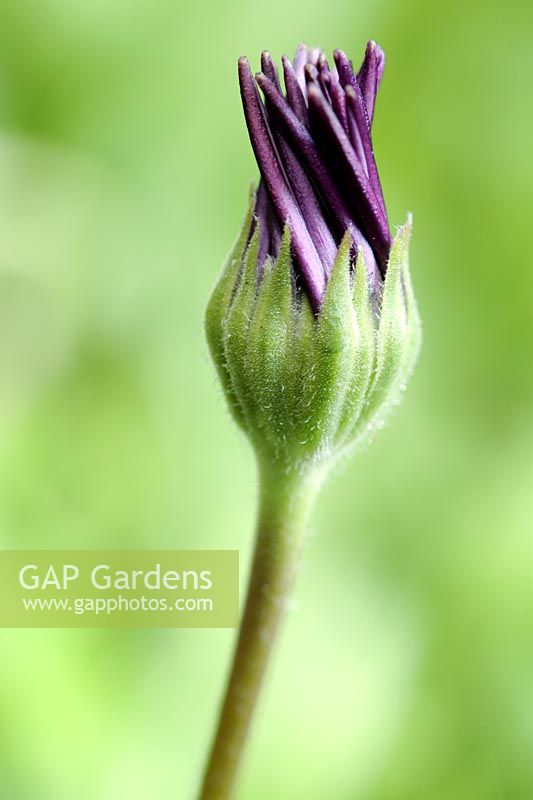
313, 325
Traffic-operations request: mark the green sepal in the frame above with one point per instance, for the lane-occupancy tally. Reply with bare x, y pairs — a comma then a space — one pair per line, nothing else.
365, 353
219, 303
334, 346
268, 350
398, 339
235, 332
414, 322
301, 377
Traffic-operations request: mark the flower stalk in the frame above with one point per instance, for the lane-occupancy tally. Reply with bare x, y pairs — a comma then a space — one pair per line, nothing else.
285, 504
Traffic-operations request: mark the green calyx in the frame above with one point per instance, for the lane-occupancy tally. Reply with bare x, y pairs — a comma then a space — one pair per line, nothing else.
308, 388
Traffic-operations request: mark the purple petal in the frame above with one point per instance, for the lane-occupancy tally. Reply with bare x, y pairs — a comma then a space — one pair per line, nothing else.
304, 148
282, 198
270, 69
294, 93
313, 55
366, 206
304, 193
269, 230
310, 74
356, 105
323, 75
309, 205
347, 79
355, 137
338, 100
372, 269
370, 74
344, 68
300, 60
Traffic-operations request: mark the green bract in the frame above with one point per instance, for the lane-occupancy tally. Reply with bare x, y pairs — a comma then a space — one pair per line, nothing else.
306, 388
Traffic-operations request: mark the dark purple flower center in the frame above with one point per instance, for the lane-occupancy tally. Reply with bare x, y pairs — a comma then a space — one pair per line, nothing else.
313, 146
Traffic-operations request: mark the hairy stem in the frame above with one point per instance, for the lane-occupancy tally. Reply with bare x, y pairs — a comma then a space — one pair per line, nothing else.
285, 503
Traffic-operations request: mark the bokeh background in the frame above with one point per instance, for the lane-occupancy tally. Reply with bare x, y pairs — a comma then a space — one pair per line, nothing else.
406, 666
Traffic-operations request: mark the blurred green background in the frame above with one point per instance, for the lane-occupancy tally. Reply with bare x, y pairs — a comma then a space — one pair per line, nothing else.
406, 666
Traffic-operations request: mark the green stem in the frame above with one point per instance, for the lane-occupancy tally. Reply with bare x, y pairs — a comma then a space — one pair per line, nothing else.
285, 503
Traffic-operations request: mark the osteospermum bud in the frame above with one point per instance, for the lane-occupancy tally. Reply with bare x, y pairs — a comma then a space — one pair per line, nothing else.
313, 325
